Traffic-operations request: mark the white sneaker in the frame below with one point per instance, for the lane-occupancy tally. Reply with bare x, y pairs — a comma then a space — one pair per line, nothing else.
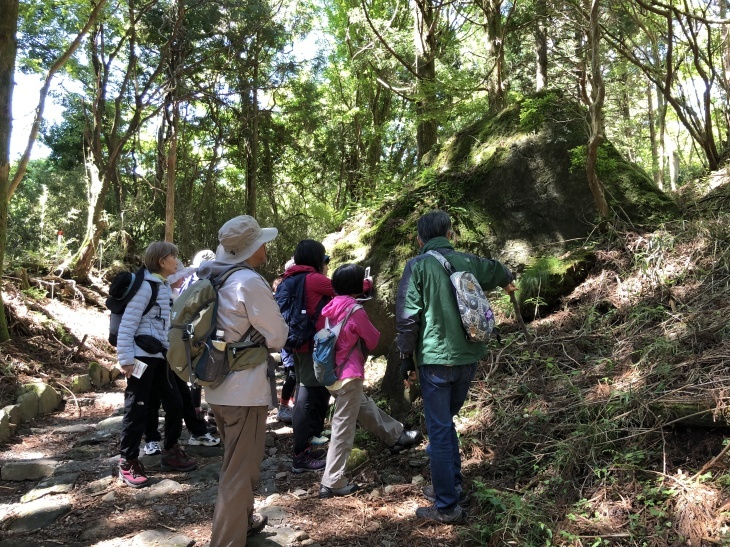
152, 448
203, 440
318, 441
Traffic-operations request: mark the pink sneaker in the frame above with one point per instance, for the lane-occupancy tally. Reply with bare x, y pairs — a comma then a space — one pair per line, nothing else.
132, 473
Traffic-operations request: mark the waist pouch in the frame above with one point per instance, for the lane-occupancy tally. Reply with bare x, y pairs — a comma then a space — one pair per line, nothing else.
149, 344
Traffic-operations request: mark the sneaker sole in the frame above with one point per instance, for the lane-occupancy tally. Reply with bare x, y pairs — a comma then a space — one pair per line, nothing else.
305, 469
198, 443
133, 485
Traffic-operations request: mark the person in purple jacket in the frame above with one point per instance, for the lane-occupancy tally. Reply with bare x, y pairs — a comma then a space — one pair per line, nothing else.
356, 339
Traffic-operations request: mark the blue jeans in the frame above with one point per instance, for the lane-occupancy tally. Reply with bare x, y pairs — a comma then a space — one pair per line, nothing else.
444, 390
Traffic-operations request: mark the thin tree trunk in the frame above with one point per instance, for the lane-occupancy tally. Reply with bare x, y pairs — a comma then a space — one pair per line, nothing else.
425, 21
8, 50
171, 173
541, 45
651, 114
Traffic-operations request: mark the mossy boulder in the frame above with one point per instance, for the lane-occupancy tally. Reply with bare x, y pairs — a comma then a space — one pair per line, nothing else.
516, 189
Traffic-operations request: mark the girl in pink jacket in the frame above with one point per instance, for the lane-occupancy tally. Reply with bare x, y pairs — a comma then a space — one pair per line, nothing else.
357, 338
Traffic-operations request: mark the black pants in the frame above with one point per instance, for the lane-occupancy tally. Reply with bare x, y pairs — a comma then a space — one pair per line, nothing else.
156, 379
290, 382
310, 411
196, 425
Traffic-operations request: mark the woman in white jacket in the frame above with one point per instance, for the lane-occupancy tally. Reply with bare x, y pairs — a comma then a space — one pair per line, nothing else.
142, 341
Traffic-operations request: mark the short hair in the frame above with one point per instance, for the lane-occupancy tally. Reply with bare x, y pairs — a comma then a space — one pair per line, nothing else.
434, 224
310, 253
156, 251
348, 279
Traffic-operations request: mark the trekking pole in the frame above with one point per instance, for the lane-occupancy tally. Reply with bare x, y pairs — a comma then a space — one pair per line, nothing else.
528, 340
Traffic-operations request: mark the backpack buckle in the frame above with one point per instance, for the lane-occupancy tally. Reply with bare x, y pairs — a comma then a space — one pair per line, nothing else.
188, 332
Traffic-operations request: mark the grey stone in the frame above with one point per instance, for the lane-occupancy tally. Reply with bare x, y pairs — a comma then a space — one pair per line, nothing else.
270, 464
161, 538
28, 470
268, 486
205, 497
5, 430
48, 398
14, 413
57, 484
100, 376
109, 497
271, 537
97, 437
81, 383
40, 513
277, 515
98, 529
158, 490
28, 402
207, 473
98, 485
74, 429
110, 424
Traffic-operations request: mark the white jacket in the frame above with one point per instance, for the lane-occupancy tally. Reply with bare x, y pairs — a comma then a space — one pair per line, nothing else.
245, 299
156, 323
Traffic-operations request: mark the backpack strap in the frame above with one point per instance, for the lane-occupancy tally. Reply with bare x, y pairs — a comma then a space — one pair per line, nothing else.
445, 263
153, 298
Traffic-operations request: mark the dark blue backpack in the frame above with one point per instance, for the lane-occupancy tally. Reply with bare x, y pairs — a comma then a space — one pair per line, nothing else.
293, 306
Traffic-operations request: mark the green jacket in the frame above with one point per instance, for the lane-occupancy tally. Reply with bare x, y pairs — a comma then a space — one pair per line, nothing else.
427, 317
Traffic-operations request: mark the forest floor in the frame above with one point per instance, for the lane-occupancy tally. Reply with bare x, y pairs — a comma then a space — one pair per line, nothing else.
625, 444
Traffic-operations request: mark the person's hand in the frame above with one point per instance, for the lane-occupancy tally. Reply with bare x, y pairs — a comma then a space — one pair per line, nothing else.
407, 369
509, 289
127, 370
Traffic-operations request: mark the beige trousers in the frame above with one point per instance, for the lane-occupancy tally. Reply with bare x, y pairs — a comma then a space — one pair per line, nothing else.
242, 430
353, 406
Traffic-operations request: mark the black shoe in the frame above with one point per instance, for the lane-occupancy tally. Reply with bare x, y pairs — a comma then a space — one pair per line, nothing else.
327, 492
454, 516
407, 439
256, 524
430, 495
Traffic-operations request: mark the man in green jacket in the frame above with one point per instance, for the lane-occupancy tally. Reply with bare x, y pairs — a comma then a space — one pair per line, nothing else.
431, 334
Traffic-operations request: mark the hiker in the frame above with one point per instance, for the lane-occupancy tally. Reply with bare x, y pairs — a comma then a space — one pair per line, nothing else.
241, 402
288, 388
312, 398
430, 334
357, 337
190, 395
142, 340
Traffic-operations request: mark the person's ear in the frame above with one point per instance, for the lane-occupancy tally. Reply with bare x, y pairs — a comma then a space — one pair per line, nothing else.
420, 241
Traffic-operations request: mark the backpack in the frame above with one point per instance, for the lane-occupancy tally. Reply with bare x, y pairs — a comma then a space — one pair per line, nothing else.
293, 306
325, 366
123, 287
476, 313
197, 354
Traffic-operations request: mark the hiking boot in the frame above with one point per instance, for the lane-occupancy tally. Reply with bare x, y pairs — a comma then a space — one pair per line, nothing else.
327, 492
256, 523
406, 440
430, 495
203, 440
453, 516
285, 414
152, 448
317, 453
131, 472
305, 462
175, 459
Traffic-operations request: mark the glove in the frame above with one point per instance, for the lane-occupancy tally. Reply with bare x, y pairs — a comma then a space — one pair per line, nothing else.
407, 364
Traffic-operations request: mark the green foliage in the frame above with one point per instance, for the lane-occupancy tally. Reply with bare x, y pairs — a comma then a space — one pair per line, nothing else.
534, 110
35, 293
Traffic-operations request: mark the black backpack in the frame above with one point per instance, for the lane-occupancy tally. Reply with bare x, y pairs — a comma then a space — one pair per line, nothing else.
123, 287
293, 306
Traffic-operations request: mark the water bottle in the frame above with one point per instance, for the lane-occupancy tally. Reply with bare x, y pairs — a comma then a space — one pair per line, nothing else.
218, 342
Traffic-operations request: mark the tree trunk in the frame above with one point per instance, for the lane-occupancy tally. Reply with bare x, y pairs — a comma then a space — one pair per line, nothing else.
495, 53
171, 172
595, 98
425, 21
8, 49
541, 45
655, 164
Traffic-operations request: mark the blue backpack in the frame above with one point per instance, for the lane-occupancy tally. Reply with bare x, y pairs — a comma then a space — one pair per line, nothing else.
293, 307
325, 364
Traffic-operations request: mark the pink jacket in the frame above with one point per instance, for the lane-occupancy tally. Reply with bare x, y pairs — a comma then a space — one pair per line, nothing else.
357, 326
